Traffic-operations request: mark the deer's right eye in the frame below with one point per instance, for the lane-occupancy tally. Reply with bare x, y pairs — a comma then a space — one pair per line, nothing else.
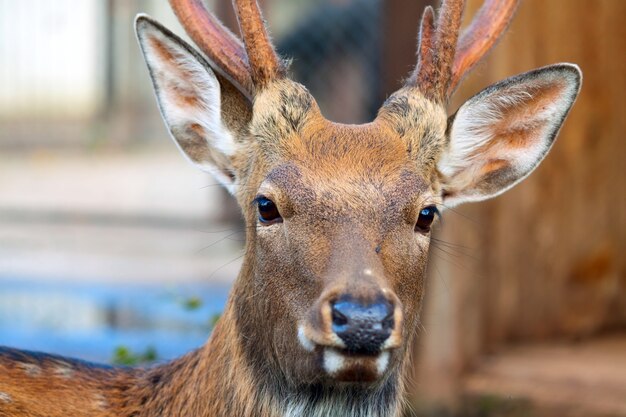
268, 212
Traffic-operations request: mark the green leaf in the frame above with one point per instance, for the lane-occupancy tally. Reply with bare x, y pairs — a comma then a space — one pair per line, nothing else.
192, 303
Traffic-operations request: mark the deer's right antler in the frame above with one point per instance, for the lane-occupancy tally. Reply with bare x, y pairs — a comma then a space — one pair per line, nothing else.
218, 43
265, 65
443, 59
250, 67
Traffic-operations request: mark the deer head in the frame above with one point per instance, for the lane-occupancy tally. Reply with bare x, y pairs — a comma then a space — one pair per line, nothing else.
339, 216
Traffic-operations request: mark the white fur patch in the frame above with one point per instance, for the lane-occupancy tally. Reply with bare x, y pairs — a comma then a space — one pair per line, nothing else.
100, 402
382, 362
305, 342
30, 369
390, 343
64, 370
473, 128
5, 398
341, 403
333, 361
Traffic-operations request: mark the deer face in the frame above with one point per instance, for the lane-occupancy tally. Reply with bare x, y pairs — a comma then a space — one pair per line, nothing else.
339, 219
338, 216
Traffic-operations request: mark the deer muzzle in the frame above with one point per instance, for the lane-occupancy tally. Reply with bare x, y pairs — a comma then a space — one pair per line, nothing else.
353, 333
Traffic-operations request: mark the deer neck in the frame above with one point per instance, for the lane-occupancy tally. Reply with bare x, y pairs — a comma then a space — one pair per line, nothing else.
211, 381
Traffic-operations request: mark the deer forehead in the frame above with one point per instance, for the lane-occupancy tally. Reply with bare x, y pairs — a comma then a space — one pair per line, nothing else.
407, 136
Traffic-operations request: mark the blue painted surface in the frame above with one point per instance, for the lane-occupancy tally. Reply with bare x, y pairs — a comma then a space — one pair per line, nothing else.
88, 321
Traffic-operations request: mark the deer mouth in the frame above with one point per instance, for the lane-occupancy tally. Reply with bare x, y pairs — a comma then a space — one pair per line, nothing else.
345, 365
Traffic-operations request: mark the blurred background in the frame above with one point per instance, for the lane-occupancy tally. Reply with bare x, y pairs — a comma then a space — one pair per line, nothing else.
114, 249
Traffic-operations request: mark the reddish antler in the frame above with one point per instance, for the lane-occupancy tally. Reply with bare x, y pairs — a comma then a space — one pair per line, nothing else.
265, 65
437, 48
222, 47
489, 24
441, 63
249, 69
425, 74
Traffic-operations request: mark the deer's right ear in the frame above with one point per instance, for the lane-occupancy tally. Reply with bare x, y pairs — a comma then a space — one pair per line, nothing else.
205, 113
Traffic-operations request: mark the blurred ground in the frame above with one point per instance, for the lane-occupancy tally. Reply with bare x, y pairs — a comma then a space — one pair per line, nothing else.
127, 217
563, 379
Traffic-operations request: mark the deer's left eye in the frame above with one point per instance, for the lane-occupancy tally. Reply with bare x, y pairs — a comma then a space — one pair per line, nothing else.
426, 218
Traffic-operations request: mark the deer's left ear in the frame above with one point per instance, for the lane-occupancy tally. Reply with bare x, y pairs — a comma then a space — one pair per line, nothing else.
500, 135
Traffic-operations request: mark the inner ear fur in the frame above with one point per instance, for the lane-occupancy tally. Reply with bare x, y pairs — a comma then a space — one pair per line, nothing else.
500, 135
206, 114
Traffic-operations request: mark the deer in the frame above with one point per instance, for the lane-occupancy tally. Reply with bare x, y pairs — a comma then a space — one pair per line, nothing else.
322, 316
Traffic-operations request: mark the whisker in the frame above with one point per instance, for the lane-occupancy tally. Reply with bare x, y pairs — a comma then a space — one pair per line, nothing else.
456, 249
456, 245
225, 265
215, 243
240, 229
457, 254
445, 284
452, 262
462, 215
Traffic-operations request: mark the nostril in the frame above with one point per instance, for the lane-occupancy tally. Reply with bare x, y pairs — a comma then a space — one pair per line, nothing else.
339, 319
389, 321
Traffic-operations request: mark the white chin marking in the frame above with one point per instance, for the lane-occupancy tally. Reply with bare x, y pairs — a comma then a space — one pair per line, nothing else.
333, 361
391, 342
382, 362
305, 341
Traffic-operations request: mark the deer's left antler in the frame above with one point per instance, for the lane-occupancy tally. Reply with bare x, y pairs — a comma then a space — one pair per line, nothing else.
489, 24
443, 59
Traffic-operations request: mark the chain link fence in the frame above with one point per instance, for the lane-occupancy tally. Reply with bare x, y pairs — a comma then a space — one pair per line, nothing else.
335, 52
72, 74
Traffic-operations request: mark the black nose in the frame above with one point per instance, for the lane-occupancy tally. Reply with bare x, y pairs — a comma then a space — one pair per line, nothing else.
363, 328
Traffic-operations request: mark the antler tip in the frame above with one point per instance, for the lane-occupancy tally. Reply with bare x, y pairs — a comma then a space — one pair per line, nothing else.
429, 13
443, 58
